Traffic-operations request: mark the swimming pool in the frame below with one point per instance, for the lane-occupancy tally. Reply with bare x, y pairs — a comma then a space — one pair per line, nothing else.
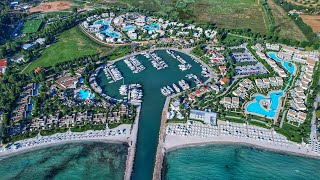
151, 27
256, 108
287, 65
113, 34
85, 94
102, 22
128, 28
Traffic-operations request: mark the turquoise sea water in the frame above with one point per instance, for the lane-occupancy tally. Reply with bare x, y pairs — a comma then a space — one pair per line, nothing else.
237, 162
88, 160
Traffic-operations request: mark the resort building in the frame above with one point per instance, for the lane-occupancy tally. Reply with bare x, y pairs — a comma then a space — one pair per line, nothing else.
295, 116
229, 102
244, 86
198, 93
259, 83
224, 80
267, 82
274, 47
206, 117
223, 70
68, 81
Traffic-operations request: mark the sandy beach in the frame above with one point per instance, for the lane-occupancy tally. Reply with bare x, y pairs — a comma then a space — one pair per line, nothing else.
69, 137
7, 154
173, 142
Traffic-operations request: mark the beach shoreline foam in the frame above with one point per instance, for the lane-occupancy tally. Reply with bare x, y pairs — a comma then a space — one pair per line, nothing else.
173, 142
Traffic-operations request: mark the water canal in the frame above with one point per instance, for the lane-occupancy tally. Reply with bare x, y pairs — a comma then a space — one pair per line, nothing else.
152, 80
255, 107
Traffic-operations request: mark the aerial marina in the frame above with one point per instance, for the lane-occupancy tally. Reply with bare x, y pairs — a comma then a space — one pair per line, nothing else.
156, 61
110, 70
133, 92
134, 64
121, 90
184, 65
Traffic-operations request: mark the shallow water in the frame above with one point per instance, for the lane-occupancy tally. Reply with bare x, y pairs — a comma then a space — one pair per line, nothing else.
237, 162
87, 160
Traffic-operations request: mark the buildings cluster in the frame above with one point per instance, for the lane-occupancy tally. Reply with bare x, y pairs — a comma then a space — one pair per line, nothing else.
296, 116
24, 105
266, 83
215, 57
272, 63
198, 92
302, 85
206, 117
230, 102
288, 53
243, 88
135, 26
79, 119
298, 99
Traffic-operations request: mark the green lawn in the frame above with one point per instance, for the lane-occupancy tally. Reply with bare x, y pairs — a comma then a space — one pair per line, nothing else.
71, 44
31, 26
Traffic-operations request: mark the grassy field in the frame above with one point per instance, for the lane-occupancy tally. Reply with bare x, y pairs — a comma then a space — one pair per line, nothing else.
232, 14
71, 44
31, 26
285, 27
225, 13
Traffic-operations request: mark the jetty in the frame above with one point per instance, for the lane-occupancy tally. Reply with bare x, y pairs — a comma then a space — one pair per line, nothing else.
132, 141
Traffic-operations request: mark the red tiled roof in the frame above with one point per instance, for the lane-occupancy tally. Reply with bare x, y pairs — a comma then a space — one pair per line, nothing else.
223, 67
225, 80
3, 62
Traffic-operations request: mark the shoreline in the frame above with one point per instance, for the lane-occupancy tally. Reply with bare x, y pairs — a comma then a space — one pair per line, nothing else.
7, 154
186, 142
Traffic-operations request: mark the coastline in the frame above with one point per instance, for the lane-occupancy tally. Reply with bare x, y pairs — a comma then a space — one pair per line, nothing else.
173, 142
7, 154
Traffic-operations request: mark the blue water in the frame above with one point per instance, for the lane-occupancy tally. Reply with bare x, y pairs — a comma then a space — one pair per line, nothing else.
102, 22
85, 160
151, 27
287, 65
237, 162
153, 101
85, 94
113, 34
255, 106
128, 28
